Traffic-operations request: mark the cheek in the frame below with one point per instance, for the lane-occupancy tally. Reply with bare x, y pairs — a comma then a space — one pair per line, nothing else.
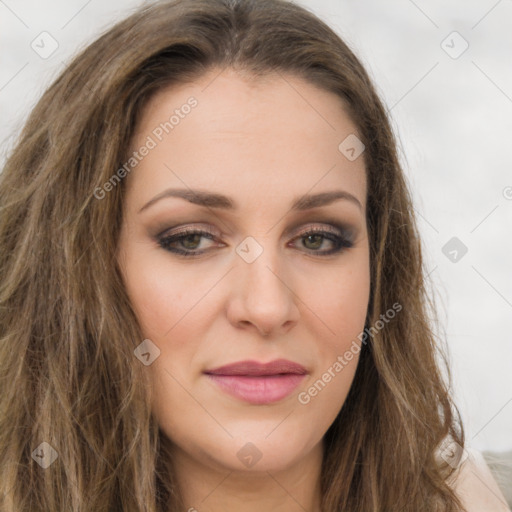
341, 304
173, 307
323, 395
168, 306
162, 296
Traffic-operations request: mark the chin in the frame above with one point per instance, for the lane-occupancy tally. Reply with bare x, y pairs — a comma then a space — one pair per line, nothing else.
260, 453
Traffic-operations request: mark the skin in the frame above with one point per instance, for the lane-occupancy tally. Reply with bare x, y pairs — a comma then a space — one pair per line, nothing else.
476, 486
263, 143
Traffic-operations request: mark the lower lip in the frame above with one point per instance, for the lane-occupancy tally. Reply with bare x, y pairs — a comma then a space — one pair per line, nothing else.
258, 390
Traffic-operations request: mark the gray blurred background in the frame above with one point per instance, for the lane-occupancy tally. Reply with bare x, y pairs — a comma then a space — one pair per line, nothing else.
444, 70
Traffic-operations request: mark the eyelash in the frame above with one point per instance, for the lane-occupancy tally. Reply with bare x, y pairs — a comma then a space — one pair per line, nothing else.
341, 243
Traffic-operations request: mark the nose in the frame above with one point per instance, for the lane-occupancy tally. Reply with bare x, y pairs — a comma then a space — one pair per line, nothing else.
262, 296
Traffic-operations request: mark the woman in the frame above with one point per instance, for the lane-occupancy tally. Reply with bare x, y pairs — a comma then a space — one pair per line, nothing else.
212, 286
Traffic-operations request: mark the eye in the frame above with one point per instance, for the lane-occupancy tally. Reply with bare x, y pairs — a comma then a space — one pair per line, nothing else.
186, 242
317, 238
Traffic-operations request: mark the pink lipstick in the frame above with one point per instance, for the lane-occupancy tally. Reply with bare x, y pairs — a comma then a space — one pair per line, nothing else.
258, 383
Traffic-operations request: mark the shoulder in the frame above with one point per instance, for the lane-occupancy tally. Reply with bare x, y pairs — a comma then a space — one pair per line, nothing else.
475, 485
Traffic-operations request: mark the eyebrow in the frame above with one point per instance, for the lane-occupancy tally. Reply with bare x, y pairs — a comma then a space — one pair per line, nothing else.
213, 200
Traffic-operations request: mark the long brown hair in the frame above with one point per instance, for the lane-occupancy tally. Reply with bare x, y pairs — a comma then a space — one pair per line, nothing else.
68, 374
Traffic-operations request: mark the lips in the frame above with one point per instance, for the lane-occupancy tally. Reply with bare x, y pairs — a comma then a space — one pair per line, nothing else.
258, 383
253, 368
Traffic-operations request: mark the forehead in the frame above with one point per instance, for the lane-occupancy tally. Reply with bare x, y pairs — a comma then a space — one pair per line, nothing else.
278, 132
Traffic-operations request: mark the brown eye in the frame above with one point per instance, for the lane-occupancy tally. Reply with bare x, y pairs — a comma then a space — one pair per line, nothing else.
314, 239
320, 241
191, 241
185, 242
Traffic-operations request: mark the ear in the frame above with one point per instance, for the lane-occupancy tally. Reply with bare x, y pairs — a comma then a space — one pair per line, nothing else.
476, 487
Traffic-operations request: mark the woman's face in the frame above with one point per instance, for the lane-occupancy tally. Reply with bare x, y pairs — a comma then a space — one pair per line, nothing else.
281, 271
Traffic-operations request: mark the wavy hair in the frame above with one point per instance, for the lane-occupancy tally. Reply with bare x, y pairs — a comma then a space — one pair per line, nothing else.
68, 373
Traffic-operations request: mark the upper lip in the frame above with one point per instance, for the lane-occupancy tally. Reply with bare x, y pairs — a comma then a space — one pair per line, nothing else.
255, 368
